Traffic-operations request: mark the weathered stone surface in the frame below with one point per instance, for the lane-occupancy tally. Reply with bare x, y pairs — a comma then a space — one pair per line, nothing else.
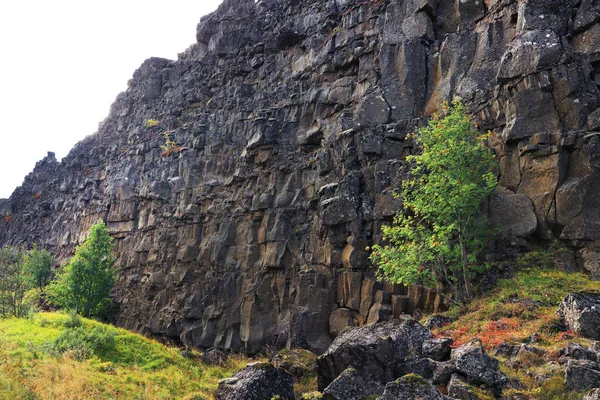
437, 321
340, 319
373, 351
292, 119
299, 363
459, 389
472, 361
214, 357
350, 385
257, 381
581, 375
423, 367
590, 261
411, 387
443, 372
512, 213
581, 313
576, 351
437, 349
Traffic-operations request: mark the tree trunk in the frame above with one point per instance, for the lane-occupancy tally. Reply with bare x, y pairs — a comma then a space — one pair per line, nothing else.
468, 290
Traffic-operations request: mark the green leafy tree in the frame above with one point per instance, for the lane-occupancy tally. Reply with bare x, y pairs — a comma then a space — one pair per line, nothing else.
434, 241
37, 265
13, 283
84, 284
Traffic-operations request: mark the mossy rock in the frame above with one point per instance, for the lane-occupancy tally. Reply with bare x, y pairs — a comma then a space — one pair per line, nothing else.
299, 363
413, 379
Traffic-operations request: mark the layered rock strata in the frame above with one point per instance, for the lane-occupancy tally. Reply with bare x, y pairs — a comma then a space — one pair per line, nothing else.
287, 123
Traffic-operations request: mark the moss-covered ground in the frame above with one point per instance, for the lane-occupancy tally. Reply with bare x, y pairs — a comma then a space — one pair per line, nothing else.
523, 310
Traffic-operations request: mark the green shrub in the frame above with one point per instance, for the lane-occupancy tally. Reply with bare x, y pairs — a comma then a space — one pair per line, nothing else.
84, 284
74, 320
82, 342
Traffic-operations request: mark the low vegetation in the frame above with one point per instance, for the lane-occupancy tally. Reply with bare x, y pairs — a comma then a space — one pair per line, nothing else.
60, 356
523, 310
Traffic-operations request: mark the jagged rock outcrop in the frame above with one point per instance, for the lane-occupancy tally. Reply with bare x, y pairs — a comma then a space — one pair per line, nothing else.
288, 121
258, 381
374, 351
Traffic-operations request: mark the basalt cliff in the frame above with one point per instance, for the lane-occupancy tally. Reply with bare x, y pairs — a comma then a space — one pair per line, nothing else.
287, 127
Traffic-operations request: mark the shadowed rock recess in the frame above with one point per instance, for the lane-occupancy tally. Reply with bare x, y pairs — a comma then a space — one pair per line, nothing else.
289, 121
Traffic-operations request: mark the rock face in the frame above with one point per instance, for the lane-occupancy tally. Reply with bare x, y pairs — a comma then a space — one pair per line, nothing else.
288, 121
257, 381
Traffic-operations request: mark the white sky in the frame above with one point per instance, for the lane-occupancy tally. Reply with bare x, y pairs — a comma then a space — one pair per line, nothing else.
63, 62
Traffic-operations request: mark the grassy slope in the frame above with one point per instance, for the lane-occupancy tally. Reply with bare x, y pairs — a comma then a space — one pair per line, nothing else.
518, 308
134, 368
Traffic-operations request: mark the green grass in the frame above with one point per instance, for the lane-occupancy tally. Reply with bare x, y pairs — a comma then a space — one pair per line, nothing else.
134, 367
518, 308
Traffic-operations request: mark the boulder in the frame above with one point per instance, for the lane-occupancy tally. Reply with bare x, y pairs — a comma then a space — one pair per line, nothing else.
214, 356
299, 363
590, 261
423, 367
582, 375
372, 350
506, 350
581, 313
443, 372
258, 381
472, 361
459, 389
437, 349
437, 321
350, 385
411, 387
575, 351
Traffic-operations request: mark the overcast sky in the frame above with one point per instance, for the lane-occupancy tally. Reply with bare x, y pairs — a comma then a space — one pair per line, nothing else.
63, 62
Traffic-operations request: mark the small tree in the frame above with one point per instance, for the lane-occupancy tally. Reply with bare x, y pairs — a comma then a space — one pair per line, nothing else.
435, 240
84, 284
37, 265
13, 283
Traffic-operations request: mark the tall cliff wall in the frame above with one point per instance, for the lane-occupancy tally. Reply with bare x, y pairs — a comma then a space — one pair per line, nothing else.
293, 116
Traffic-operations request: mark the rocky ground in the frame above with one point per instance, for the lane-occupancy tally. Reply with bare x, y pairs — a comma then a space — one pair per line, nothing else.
528, 338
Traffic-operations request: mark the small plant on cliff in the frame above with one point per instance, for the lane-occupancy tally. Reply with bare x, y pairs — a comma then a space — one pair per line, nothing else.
152, 122
436, 238
170, 146
84, 284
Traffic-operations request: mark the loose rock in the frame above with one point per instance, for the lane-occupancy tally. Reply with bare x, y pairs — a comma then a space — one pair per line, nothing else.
258, 381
